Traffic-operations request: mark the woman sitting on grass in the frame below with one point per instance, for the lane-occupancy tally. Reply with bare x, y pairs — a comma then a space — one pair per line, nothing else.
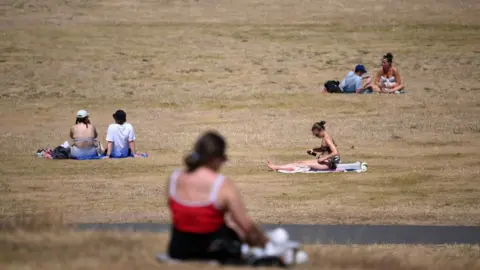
84, 136
209, 218
328, 156
203, 195
388, 79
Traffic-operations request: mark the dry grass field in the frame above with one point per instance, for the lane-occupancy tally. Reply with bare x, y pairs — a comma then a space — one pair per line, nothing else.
93, 250
250, 69
42, 242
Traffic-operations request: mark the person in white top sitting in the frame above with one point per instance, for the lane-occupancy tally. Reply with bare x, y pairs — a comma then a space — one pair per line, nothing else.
120, 137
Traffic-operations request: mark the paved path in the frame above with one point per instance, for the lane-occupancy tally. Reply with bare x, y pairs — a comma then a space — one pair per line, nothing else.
339, 234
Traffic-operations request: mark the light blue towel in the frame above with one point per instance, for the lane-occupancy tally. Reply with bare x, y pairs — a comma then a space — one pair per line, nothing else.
371, 92
102, 156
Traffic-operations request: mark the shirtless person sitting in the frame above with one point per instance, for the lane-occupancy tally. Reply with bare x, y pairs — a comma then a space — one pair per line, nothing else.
84, 136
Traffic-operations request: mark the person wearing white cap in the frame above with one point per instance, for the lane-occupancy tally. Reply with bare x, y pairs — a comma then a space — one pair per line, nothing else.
84, 136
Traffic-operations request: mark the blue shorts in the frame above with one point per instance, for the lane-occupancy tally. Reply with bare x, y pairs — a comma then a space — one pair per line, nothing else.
76, 152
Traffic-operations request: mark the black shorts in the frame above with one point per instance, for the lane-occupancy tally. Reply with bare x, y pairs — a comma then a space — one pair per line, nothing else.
223, 246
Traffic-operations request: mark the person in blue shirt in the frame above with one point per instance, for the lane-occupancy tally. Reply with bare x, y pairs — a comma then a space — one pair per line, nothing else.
352, 83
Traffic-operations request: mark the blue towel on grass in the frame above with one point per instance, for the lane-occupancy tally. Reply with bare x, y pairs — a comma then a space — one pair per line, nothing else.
102, 156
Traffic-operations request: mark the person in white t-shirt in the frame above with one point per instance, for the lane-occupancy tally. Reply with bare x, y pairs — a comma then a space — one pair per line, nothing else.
120, 137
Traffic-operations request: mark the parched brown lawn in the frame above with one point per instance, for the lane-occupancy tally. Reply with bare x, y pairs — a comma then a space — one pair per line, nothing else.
43, 242
114, 250
255, 81
249, 69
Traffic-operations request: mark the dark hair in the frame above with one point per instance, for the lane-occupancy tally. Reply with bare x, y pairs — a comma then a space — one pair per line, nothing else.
210, 145
84, 120
389, 57
319, 125
120, 117
120, 122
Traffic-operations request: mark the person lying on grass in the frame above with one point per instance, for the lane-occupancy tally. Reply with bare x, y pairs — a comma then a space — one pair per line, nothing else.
327, 154
120, 137
84, 136
388, 79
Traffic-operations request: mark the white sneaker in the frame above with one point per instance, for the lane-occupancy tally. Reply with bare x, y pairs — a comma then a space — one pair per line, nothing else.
258, 252
288, 253
278, 236
245, 249
291, 257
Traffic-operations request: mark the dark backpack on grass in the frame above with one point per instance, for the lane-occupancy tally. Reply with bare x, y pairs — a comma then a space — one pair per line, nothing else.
61, 153
333, 87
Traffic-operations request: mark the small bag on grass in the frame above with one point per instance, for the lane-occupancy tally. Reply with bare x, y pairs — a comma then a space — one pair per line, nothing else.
332, 86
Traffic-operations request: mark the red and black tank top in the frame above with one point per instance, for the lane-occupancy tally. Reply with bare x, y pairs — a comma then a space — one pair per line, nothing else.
195, 217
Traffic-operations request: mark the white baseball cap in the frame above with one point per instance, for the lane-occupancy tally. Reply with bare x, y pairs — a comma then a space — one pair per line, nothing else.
82, 114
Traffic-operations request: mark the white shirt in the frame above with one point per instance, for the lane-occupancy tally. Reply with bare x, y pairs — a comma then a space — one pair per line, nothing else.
120, 135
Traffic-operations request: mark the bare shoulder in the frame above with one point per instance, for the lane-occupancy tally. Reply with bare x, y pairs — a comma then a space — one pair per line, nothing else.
229, 186
329, 139
227, 182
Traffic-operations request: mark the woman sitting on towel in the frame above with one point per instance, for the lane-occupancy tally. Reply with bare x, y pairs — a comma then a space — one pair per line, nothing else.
327, 154
209, 219
388, 79
84, 136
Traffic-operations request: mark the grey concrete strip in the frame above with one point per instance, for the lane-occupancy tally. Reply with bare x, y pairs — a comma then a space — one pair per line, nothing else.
339, 234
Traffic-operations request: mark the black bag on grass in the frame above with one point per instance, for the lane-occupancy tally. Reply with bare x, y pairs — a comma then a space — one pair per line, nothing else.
332, 86
61, 152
